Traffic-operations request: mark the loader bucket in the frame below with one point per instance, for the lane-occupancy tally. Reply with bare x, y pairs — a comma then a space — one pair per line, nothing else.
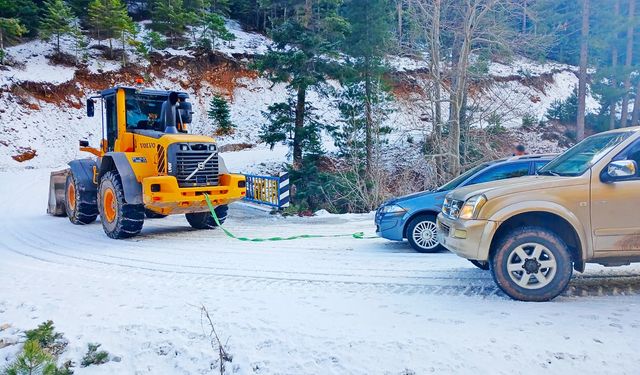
57, 184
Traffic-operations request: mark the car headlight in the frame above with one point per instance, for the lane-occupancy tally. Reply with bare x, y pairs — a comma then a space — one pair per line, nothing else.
393, 209
472, 207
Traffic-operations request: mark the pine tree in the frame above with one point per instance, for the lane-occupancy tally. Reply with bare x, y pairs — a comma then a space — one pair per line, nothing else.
220, 115
111, 20
171, 17
299, 58
56, 21
10, 28
24, 11
79, 42
367, 42
154, 41
213, 28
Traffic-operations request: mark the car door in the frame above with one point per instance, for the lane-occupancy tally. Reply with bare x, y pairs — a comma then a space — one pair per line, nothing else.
501, 172
615, 208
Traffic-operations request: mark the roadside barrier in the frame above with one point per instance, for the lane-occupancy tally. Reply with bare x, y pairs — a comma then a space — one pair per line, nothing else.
357, 235
268, 190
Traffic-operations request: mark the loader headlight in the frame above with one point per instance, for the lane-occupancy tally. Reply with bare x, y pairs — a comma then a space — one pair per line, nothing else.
184, 147
472, 207
393, 209
212, 147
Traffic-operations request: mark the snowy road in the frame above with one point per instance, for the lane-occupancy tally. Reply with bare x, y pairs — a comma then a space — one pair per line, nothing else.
316, 306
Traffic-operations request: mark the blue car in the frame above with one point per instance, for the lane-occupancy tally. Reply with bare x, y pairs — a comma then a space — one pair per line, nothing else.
414, 216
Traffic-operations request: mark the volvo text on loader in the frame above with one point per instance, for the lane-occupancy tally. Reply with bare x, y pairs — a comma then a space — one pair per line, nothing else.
147, 165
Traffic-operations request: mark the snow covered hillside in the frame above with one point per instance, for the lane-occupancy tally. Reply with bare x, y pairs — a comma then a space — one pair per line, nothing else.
344, 306
42, 104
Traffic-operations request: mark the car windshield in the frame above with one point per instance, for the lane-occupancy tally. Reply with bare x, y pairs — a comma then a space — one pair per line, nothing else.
582, 156
463, 177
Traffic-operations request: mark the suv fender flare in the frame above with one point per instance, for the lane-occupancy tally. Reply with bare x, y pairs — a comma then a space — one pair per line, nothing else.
512, 210
82, 170
118, 161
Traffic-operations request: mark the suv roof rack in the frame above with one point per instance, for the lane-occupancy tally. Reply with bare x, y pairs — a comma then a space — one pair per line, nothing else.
531, 156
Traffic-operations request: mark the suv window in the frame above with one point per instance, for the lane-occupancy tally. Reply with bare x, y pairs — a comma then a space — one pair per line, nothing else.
539, 164
631, 153
502, 172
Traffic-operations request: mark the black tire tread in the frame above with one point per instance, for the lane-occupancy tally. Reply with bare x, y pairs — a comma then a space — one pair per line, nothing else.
563, 261
130, 217
86, 210
204, 220
153, 215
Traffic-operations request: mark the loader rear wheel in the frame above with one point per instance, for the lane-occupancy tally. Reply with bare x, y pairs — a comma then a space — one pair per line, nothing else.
204, 220
153, 215
119, 218
79, 205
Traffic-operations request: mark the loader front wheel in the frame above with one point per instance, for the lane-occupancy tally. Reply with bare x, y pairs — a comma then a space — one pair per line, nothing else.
80, 206
204, 220
119, 218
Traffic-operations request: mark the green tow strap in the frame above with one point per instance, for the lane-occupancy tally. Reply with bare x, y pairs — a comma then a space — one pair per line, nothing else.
358, 235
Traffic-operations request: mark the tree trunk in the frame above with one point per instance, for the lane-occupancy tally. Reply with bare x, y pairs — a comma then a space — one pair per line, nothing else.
308, 10
2, 52
614, 64
582, 78
524, 16
368, 120
636, 106
627, 65
399, 11
124, 51
298, 131
437, 92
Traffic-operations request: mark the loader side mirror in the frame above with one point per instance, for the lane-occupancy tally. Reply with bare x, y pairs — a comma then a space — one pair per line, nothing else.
90, 108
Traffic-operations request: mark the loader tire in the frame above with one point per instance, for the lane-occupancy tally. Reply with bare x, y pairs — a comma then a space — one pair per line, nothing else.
204, 220
81, 206
119, 218
153, 215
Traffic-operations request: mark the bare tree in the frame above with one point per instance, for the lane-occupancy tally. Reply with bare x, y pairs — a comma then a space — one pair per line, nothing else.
614, 65
582, 76
624, 112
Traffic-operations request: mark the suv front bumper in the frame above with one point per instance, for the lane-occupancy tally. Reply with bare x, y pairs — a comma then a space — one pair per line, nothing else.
470, 239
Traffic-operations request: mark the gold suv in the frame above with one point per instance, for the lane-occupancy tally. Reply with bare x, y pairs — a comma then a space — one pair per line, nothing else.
531, 232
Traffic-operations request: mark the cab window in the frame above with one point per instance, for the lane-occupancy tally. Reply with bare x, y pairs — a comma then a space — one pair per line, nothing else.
502, 172
143, 111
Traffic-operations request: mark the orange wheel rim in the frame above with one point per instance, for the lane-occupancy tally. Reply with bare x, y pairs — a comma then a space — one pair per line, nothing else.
109, 205
71, 196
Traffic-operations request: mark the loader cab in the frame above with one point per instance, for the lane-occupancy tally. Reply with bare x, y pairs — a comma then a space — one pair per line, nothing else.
129, 110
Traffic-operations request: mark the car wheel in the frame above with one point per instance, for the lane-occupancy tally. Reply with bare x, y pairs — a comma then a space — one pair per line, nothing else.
422, 234
532, 264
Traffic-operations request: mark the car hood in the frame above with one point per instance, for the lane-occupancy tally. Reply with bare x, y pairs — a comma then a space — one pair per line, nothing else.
408, 197
515, 185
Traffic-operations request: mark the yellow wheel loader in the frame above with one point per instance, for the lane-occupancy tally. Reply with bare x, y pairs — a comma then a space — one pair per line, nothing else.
147, 165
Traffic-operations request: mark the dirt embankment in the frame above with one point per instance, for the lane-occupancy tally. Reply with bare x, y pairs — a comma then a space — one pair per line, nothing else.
218, 70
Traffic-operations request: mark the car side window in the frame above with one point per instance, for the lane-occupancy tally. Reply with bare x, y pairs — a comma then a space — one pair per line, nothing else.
539, 164
502, 172
631, 153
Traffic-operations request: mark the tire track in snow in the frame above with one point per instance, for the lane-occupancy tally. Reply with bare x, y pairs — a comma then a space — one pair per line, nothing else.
584, 285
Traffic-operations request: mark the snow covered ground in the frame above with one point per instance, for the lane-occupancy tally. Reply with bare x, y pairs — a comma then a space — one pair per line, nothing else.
316, 306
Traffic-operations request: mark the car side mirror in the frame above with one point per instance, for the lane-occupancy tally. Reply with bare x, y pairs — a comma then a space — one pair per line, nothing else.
90, 108
620, 170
